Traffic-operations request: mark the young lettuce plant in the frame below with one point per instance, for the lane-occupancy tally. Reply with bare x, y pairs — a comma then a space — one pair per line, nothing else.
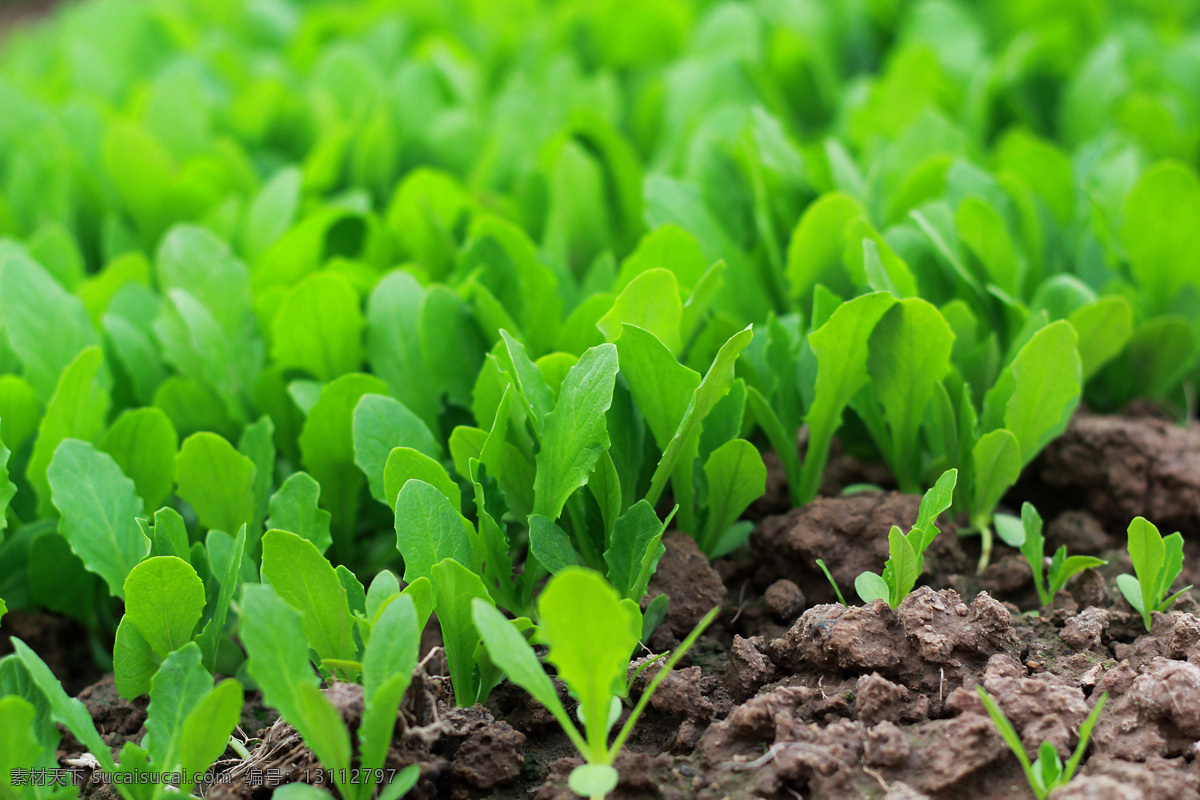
907, 560
1025, 534
1048, 772
188, 723
1157, 562
590, 632
277, 636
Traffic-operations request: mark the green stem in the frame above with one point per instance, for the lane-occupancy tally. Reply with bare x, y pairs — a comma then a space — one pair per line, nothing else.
985, 539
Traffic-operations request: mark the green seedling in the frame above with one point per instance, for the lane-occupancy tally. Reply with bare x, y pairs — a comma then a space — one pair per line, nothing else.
907, 560
829, 576
1157, 562
276, 637
1048, 772
1025, 534
188, 724
590, 632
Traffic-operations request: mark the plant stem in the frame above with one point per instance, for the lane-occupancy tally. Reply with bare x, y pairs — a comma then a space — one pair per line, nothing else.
985, 539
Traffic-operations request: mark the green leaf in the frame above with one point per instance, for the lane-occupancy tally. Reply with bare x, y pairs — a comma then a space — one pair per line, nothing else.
1131, 589
661, 386
323, 730
535, 392
197, 261
841, 347
294, 507
511, 653
217, 481
635, 549
302, 577
1161, 231
1007, 733
1172, 566
206, 730
716, 384
981, 228
454, 589
451, 344
46, 343
393, 648
574, 434
814, 254
382, 424
175, 691
19, 748
1047, 381
164, 599
384, 586
257, 443
1104, 328
909, 354
904, 563
318, 327
872, 587
67, 711
651, 302
997, 463
428, 530
169, 535
98, 506
593, 780
134, 661
327, 451
143, 443
935, 502
592, 661
210, 637
76, 410
273, 634
394, 344
405, 464
271, 212
736, 478
1148, 553
550, 545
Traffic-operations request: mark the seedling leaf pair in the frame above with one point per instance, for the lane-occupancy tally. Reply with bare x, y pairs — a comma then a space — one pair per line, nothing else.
1157, 562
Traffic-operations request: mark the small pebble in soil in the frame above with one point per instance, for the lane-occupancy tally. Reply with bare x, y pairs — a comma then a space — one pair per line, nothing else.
784, 600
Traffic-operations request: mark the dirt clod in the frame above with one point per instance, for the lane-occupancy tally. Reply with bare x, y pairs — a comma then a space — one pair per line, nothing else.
684, 575
784, 600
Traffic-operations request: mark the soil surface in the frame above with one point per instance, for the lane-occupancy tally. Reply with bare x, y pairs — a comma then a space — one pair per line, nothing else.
792, 695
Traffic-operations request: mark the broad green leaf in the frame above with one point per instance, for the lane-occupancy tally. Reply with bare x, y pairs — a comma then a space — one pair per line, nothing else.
143, 443
593, 663
301, 576
668, 247
175, 691
164, 599
651, 302
982, 229
661, 386
997, 464
1172, 566
1161, 351
841, 347
327, 452
736, 477
46, 343
98, 505
1104, 328
593, 780
273, 635
1148, 553
323, 729
217, 481
429, 530
384, 586
905, 565
451, 344
134, 661
574, 434
76, 410
814, 254
20, 410
7, 488
394, 344
19, 748
872, 587
257, 443
169, 535
294, 507
1047, 381
454, 589
405, 464
318, 327
550, 545
206, 730
66, 711
200, 263
909, 354
635, 549
1161, 231
271, 212
382, 424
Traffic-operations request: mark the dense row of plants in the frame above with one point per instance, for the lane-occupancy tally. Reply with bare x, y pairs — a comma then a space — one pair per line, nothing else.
300, 298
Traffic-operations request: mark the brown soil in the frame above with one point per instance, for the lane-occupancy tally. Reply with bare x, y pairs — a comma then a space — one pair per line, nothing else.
793, 695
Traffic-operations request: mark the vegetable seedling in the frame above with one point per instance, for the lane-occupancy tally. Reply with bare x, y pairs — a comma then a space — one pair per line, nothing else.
1157, 560
907, 560
1025, 534
1048, 772
591, 632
